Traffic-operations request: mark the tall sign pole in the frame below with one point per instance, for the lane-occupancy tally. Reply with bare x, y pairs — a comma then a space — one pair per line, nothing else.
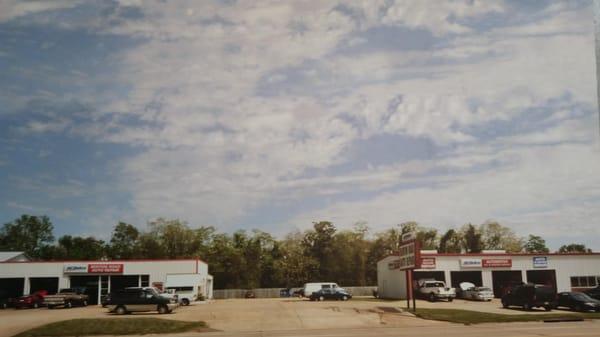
409, 259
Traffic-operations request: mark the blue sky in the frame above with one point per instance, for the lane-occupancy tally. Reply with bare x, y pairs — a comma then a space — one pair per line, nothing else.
271, 115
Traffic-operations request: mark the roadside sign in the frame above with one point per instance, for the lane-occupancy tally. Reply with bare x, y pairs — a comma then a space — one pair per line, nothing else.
408, 256
410, 236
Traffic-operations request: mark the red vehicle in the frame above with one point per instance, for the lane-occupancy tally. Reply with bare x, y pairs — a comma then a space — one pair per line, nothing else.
34, 300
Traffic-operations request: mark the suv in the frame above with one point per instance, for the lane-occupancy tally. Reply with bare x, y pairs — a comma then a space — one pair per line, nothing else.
67, 298
530, 296
139, 300
593, 293
434, 290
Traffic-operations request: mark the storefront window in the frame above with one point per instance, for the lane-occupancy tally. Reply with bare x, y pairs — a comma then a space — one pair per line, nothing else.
145, 280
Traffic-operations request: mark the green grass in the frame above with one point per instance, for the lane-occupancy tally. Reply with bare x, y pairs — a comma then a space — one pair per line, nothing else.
475, 317
112, 326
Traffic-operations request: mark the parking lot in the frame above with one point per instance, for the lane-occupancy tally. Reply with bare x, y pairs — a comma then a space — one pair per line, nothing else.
241, 315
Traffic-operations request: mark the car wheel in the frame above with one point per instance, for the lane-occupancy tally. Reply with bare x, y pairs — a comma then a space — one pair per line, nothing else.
504, 304
432, 297
84, 303
68, 305
321, 298
162, 309
3, 306
526, 306
120, 310
50, 307
547, 307
344, 298
185, 302
36, 305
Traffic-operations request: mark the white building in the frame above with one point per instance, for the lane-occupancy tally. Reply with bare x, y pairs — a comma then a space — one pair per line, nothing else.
99, 277
496, 270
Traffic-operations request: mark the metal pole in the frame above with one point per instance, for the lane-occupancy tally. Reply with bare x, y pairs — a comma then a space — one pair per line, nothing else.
408, 285
597, 38
412, 292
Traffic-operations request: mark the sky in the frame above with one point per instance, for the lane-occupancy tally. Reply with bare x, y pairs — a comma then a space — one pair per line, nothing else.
273, 114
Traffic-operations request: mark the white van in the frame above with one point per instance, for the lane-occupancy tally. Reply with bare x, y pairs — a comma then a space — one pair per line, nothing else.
187, 287
309, 288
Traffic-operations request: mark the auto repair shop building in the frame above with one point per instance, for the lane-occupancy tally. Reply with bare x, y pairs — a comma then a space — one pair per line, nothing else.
494, 269
21, 276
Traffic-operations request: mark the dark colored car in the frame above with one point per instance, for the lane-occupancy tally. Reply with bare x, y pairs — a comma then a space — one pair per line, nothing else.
593, 293
529, 296
138, 300
577, 302
330, 294
34, 300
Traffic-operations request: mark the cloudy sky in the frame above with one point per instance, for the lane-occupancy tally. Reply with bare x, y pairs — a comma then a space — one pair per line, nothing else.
272, 114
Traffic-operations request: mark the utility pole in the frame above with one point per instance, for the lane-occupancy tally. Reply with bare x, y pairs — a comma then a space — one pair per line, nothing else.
597, 39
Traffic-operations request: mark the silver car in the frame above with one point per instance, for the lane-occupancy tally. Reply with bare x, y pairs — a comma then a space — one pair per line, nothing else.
469, 291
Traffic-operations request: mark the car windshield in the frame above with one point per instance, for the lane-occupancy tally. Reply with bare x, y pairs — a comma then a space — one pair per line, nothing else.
582, 297
434, 284
483, 289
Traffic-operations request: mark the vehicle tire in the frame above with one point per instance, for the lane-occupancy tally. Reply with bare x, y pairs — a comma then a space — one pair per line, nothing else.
185, 302
68, 305
120, 310
163, 309
84, 303
504, 304
35, 305
344, 298
3, 306
432, 297
321, 298
548, 307
526, 307
50, 307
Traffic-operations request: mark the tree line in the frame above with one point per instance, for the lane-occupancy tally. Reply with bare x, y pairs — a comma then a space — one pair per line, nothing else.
256, 259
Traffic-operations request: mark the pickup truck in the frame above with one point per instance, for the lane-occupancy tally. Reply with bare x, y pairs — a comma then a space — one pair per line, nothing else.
67, 298
434, 290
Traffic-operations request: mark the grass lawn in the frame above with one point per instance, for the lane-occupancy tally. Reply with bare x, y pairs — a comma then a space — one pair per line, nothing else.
475, 317
112, 326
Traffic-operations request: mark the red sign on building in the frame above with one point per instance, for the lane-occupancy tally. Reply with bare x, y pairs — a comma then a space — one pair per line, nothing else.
105, 268
496, 263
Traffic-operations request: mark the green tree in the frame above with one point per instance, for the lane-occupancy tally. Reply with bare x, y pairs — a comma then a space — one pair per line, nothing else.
574, 248
384, 244
294, 266
450, 242
496, 236
81, 248
427, 237
318, 244
471, 239
28, 233
124, 241
175, 237
535, 244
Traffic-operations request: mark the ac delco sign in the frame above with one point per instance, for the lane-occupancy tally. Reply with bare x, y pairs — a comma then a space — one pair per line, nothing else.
93, 268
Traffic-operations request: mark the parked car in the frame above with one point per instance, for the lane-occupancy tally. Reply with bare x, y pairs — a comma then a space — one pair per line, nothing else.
339, 294
4, 299
309, 288
577, 302
67, 298
187, 287
34, 300
434, 290
529, 296
138, 300
249, 294
593, 293
469, 291
169, 294
298, 292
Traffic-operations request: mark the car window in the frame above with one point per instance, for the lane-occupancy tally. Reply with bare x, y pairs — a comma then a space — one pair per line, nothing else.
325, 286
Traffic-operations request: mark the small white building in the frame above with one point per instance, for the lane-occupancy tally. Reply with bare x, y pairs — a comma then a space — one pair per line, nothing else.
98, 277
496, 270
